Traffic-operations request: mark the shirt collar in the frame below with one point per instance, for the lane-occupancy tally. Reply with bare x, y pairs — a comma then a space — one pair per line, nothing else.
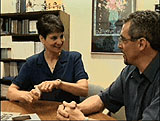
152, 68
62, 58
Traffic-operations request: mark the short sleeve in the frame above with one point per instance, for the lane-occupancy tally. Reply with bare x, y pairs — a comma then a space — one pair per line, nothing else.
23, 79
112, 97
79, 71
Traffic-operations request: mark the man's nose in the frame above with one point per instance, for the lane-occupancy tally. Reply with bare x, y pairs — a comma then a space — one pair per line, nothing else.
120, 45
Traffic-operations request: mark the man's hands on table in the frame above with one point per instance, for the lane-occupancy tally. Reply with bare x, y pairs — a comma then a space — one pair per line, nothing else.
69, 111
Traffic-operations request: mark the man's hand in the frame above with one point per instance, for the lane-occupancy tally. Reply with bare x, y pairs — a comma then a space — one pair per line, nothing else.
69, 111
47, 86
61, 113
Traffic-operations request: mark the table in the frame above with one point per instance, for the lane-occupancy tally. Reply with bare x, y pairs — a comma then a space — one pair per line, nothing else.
46, 110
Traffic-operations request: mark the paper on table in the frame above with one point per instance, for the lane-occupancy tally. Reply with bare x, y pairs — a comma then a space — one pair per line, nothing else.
26, 117
9, 116
6, 116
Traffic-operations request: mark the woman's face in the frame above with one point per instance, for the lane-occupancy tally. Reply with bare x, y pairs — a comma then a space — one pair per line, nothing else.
54, 42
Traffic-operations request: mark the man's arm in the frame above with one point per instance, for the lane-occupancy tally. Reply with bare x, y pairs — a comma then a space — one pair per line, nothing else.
91, 105
152, 112
73, 111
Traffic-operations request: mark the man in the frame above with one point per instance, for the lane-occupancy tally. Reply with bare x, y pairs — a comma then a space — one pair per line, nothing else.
137, 87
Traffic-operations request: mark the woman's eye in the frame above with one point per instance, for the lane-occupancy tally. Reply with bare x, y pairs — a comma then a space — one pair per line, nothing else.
61, 37
54, 38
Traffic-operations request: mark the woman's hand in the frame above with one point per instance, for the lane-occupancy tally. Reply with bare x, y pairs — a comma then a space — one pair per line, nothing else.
29, 97
47, 86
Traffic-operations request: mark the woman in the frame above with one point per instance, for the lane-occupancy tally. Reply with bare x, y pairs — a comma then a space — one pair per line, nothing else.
58, 75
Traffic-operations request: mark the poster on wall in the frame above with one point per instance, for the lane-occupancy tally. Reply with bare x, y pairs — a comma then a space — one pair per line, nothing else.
107, 18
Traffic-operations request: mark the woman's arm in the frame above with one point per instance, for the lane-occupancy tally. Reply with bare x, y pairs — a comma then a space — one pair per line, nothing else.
80, 88
14, 94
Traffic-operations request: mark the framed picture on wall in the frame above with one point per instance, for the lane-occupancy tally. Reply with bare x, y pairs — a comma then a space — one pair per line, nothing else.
107, 18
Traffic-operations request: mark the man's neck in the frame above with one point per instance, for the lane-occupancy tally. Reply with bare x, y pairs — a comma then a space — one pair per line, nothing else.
145, 60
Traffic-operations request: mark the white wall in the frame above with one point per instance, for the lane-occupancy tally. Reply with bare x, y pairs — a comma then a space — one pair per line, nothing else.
102, 69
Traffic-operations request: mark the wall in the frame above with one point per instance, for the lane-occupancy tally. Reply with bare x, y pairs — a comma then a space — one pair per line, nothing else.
102, 69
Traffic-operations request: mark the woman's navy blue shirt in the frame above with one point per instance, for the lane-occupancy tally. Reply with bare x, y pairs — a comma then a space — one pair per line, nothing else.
69, 68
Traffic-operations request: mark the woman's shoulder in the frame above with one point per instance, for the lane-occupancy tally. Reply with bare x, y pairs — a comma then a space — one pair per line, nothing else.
73, 53
33, 58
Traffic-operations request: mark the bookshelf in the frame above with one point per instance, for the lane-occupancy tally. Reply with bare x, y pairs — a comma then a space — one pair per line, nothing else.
18, 24
19, 28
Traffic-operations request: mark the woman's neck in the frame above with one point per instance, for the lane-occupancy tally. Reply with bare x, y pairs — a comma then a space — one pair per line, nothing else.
51, 56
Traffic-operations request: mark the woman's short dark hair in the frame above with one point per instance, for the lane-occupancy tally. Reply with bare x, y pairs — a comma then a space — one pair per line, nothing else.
145, 24
49, 23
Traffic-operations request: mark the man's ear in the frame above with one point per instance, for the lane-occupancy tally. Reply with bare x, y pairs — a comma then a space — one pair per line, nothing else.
41, 39
142, 43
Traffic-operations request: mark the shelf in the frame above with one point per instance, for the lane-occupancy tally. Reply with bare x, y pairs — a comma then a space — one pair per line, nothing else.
28, 15
12, 60
25, 37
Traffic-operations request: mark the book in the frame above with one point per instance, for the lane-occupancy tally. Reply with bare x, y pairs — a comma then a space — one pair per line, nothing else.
32, 27
22, 6
14, 27
2, 69
38, 47
5, 69
2, 28
5, 53
13, 69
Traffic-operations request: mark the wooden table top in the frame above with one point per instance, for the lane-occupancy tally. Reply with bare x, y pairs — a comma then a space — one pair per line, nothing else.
46, 110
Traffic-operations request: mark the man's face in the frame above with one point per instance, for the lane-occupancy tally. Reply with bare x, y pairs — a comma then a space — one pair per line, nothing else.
54, 42
129, 48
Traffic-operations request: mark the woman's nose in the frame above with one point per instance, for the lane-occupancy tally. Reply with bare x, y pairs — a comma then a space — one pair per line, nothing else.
60, 41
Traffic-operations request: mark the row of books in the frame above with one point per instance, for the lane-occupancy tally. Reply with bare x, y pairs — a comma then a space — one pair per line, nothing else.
5, 53
9, 69
25, 26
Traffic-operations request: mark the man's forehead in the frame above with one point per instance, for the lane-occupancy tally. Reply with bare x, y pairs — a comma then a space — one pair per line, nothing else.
125, 28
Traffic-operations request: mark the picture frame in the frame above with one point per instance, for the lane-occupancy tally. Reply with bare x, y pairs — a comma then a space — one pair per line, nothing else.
107, 22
